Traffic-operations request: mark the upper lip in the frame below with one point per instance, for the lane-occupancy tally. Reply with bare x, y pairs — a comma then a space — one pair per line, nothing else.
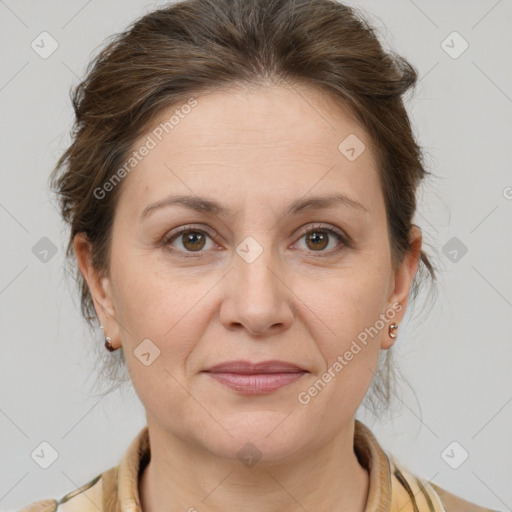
246, 367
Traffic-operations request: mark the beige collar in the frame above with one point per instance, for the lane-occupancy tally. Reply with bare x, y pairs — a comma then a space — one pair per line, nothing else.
125, 486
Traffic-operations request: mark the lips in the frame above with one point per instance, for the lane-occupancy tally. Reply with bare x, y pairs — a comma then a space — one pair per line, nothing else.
248, 368
249, 378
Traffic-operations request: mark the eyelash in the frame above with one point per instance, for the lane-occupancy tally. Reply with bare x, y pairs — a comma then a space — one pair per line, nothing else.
345, 242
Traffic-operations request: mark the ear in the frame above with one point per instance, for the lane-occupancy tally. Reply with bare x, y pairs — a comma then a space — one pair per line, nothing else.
401, 283
100, 288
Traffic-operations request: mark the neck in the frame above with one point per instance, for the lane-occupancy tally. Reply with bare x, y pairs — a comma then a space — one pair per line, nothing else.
179, 476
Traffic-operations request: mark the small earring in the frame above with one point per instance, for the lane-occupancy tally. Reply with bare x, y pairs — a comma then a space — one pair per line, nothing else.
108, 345
392, 329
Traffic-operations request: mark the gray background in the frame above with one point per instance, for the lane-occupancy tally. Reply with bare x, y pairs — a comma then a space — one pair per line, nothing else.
457, 359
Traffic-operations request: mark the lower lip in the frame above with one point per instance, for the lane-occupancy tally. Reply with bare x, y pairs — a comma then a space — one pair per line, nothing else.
258, 383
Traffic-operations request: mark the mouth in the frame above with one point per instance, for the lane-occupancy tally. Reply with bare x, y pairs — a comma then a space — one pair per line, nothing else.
255, 378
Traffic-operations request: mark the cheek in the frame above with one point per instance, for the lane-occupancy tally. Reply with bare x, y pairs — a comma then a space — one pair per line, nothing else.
149, 295
350, 306
346, 328
169, 306
165, 308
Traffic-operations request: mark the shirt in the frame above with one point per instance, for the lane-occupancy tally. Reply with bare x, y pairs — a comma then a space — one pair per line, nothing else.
392, 488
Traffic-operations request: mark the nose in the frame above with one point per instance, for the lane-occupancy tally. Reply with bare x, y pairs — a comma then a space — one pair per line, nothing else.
257, 296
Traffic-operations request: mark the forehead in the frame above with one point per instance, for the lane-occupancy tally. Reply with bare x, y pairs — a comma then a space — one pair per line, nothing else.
258, 141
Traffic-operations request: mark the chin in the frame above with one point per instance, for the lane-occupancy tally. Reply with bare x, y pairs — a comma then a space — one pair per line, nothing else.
268, 436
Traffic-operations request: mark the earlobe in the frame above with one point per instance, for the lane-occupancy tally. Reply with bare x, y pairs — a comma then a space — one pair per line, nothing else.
401, 285
99, 287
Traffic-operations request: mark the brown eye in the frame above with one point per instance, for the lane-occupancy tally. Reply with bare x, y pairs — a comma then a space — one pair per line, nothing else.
188, 240
317, 240
193, 240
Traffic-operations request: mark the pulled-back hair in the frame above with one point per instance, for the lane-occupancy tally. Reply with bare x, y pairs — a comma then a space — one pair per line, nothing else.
197, 46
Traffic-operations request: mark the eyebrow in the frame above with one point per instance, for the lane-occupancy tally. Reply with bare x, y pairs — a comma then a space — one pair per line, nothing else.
204, 205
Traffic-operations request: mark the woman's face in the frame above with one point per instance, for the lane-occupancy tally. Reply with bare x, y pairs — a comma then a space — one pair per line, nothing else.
287, 259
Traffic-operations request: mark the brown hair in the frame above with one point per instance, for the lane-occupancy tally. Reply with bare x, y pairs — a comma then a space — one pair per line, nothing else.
197, 46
